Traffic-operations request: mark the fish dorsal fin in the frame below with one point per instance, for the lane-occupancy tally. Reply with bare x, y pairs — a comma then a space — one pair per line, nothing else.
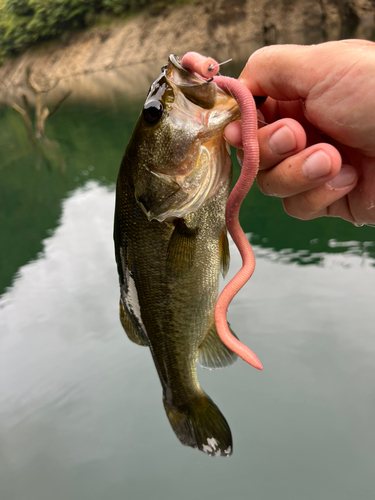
181, 248
128, 326
212, 353
224, 252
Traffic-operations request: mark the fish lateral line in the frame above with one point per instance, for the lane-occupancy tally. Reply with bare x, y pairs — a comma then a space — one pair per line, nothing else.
207, 67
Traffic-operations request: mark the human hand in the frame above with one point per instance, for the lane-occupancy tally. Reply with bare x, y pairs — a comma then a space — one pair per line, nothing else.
317, 151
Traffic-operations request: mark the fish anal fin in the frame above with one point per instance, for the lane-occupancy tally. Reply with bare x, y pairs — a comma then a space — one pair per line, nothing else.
200, 424
224, 252
181, 248
212, 353
129, 328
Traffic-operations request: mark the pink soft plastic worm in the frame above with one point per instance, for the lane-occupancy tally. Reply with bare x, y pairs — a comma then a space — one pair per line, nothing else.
208, 67
200, 65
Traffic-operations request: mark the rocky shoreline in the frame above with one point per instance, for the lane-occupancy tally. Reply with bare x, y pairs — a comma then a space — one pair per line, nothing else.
209, 27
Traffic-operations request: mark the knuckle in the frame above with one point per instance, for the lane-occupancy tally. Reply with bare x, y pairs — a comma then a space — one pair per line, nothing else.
312, 204
263, 184
294, 210
289, 207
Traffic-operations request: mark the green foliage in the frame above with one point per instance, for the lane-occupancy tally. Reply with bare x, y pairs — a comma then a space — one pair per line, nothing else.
25, 22
53, 17
19, 7
122, 6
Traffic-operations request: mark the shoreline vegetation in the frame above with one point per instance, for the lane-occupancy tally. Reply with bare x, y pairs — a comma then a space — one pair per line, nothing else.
24, 23
89, 37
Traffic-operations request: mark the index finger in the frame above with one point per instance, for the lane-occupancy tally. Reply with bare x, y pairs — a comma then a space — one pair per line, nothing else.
290, 72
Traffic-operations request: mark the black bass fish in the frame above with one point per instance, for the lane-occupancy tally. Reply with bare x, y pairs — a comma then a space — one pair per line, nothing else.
171, 244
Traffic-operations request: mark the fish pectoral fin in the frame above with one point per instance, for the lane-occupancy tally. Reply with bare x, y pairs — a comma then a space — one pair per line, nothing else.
129, 328
212, 353
224, 252
181, 248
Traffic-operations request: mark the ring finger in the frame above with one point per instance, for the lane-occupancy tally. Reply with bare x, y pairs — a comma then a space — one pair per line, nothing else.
328, 199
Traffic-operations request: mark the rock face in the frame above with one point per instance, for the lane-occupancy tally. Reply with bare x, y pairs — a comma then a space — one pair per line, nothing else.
203, 27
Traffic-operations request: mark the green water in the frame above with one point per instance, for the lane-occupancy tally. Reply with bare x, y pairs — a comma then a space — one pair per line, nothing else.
92, 141
81, 415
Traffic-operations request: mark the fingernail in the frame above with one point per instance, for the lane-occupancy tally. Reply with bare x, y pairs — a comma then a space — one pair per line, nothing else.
282, 141
317, 165
240, 156
344, 178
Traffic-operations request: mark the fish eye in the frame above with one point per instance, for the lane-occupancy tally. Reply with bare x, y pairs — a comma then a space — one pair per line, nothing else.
153, 111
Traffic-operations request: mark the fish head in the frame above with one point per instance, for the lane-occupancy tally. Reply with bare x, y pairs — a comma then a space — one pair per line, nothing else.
179, 156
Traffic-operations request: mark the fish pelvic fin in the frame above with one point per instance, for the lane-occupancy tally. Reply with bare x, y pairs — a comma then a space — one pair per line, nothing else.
200, 424
129, 328
224, 253
212, 353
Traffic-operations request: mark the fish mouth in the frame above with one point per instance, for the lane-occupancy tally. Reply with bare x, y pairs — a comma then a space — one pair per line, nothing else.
216, 108
185, 75
195, 89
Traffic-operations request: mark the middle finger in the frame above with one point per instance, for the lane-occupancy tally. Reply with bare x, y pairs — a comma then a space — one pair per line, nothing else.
299, 173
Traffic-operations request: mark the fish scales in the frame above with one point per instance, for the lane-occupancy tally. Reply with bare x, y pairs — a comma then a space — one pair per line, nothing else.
170, 244
173, 305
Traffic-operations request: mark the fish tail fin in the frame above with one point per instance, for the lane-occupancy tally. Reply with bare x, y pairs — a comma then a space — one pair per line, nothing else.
200, 424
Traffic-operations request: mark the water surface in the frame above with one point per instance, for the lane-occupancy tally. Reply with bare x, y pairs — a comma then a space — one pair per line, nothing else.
81, 415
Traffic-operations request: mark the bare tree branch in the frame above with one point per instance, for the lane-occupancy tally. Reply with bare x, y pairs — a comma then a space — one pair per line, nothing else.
27, 104
35, 87
32, 85
27, 121
42, 121
64, 98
